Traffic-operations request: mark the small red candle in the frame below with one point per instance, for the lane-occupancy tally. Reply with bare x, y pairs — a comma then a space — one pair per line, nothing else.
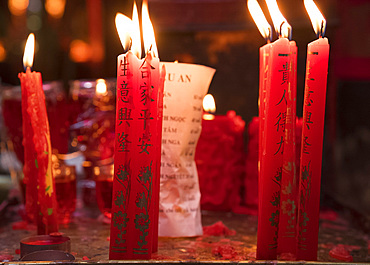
41, 202
138, 132
220, 159
312, 137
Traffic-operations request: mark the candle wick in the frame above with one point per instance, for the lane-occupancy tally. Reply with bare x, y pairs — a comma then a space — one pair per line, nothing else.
268, 38
322, 29
129, 45
281, 29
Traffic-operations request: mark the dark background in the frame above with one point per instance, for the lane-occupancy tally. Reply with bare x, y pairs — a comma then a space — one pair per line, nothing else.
83, 43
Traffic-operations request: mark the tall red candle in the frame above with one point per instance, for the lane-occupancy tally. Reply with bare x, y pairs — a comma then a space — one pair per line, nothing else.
272, 151
312, 138
264, 68
288, 192
272, 131
137, 155
41, 202
264, 81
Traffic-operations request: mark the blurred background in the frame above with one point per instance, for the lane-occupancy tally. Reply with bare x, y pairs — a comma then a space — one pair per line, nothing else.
78, 40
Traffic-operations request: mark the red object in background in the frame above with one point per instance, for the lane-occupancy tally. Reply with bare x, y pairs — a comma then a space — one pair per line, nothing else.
220, 161
251, 170
218, 229
104, 188
340, 252
58, 112
65, 188
312, 148
41, 203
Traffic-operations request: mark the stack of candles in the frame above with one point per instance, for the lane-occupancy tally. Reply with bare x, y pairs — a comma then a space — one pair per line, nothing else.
137, 155
280, 232
288, 208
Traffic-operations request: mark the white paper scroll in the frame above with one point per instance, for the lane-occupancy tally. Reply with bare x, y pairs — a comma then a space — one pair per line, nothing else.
179, 208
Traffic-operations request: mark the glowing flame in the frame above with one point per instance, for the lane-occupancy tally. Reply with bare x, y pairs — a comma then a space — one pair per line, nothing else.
124, 27
281, 25
259, 18
317, 19
29, 51
135, 34
101, 87
209, 104
148, 31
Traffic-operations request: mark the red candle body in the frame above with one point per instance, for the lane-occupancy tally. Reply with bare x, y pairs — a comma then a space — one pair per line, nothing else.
265, 69
220, 162
272, 149
136, 157
288, 192
311, 150
41, 202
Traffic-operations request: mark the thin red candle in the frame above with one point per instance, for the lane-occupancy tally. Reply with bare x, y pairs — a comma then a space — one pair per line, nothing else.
312, 138
137, 156
41, 202
288, 193
272, 151
274, 86
264, 75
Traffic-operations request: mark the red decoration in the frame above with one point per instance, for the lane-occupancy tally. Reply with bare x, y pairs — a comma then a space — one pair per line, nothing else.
220, 162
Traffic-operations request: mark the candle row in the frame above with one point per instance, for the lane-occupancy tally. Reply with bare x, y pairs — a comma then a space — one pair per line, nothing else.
288, 206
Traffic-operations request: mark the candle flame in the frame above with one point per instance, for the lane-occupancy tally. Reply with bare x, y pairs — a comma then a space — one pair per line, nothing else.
101, 87
317, 19
136, 41
148, 31
281, 25
29, 51
124, 27
260, 19
209, 104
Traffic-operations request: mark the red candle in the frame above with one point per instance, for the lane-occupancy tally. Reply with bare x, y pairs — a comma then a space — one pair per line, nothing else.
266, 32
137, 155
272, 132
41, 202
272, 151
312, 137
288, 192
264, 75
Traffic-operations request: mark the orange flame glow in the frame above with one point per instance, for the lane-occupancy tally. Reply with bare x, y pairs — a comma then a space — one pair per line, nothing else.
317, 19
29, 51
